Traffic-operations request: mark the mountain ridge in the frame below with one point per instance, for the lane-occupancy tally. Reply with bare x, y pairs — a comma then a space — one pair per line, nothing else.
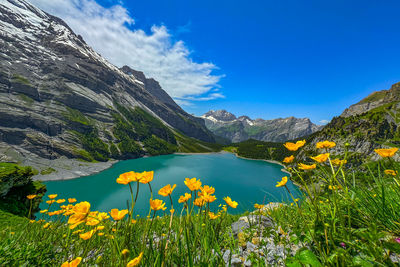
237, 129
60, 98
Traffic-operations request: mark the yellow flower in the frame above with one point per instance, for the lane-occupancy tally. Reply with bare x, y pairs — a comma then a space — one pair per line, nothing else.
386, 152
73, 226
124, 252
32, 221
135, 261
325, 144
60, 201
338, 162
73, 263
288, 159
92, 220
101, 227
166, 190
184, 198
207, 189
80, 211
118, 214
133, 221
335, 187
193, 184
31, 196
283, 182
53, 196
294, 146
212, 215
258, 206
230, 202
321, 157
43, 211
50, 201
157, 204
146, 177
208, 198
100, 234
127, 177
103, 216
56, 212
87, 235
199, 202
46, 225
71, 200
306, 167
391, 172
172, 211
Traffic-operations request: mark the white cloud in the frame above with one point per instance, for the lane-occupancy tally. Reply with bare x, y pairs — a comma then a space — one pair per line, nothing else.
323, 122
109, 31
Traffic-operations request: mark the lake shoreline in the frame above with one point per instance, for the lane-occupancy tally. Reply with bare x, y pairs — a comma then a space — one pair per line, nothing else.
67, 169
266, 160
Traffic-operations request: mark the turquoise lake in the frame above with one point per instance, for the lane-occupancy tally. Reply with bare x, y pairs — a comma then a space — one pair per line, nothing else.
245, 181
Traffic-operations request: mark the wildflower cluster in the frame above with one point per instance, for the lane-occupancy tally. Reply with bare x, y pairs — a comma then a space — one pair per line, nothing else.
123, 232
343, 217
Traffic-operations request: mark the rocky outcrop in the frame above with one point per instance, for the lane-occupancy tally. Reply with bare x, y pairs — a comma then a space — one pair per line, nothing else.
225, 124
372, 123
58, 97
374, 100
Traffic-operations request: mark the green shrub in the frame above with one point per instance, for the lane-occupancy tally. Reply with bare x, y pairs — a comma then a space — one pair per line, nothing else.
47, 171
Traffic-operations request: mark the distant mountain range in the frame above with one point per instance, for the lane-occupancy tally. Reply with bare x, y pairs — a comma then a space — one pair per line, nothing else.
59, 98
225, 124
372, 123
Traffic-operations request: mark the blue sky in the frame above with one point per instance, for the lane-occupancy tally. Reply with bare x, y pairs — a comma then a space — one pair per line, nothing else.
272, 59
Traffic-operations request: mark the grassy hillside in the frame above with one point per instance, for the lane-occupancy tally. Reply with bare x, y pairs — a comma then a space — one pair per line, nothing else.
261, 150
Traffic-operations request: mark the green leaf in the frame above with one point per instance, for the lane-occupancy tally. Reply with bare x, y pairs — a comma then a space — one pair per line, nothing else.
293, 262
308, 257
358, 261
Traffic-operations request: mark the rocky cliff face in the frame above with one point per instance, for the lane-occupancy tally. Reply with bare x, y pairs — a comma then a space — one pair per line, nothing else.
58, 97
225, 124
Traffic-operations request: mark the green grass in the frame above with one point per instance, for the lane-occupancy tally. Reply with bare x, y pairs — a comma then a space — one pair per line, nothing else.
192, 236
74, 115
20, 79
375, 96
190, 145
230, 149
29, 101
48, 170
352, 219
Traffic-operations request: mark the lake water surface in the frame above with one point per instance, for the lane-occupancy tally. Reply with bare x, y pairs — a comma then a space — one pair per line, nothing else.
245, 181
